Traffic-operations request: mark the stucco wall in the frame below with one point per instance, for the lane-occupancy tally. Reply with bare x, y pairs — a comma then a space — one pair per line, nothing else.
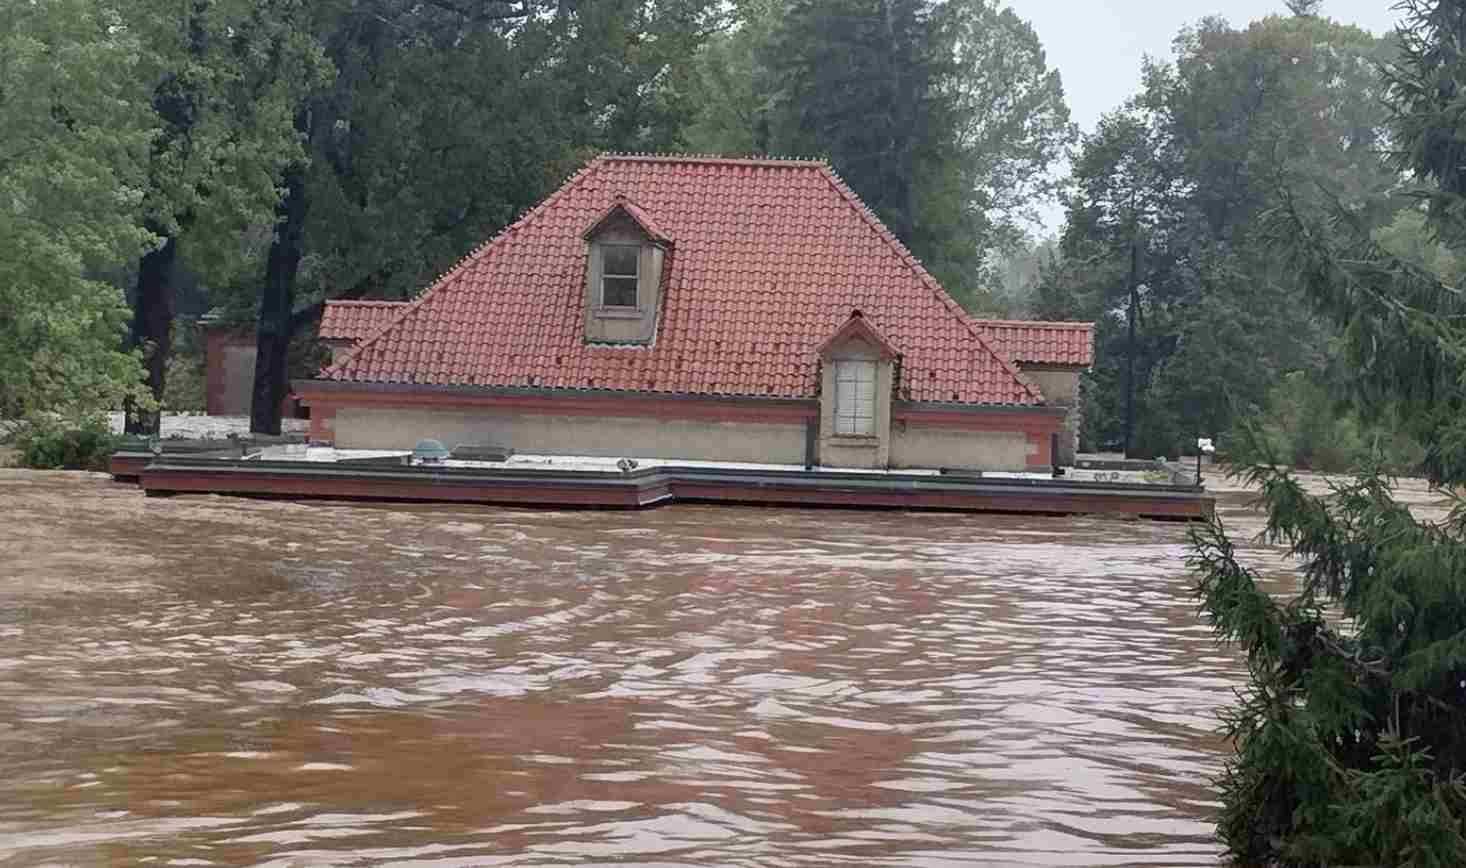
1061, 387
386, 428
920, 446
1058, 386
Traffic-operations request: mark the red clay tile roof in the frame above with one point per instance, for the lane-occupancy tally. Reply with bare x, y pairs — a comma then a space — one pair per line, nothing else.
1044, 343
356, 320
623, 205
771, 257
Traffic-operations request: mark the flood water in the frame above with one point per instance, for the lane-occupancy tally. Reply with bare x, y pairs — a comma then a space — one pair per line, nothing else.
215, 681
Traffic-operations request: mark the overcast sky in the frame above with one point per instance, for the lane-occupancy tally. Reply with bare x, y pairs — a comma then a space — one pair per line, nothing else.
1097, 45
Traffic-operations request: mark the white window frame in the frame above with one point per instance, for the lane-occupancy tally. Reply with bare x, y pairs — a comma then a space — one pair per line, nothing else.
855, 397
605, 260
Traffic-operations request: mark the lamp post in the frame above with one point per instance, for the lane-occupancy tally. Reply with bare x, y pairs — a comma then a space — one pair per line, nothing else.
1203, 445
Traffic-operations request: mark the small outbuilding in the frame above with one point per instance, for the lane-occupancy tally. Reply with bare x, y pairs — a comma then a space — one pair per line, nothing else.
696, 308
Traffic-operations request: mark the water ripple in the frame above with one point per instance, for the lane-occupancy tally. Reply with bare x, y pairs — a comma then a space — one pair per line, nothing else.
214, 681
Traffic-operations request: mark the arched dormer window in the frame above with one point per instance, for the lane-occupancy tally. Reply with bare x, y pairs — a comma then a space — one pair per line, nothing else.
624, 263
857, 366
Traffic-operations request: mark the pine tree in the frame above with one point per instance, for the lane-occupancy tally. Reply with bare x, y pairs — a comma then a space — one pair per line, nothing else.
1351, 736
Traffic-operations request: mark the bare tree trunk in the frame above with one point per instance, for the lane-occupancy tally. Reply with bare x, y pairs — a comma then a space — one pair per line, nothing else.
1130, 349
277, 298
152, 329
901, 131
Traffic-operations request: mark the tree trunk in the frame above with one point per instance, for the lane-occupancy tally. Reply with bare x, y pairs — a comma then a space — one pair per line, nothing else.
1130, 350
277, 298
152, 329
901, 123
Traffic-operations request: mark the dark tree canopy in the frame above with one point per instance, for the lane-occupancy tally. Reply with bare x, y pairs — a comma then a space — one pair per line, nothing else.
943, 116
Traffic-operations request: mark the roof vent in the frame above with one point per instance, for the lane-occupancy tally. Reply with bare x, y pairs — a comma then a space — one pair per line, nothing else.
429, 452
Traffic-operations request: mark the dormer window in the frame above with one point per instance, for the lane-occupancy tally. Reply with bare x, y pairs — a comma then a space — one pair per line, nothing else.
857, 379
620, 274
627, 254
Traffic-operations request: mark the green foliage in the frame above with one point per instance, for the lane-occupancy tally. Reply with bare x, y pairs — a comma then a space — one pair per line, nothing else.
72, 150
186, 390
45, 442
1351, 733
445, 122
1169, 194
1304, 424
734, 87
1351, 742
859, 83
943, 116
224, 78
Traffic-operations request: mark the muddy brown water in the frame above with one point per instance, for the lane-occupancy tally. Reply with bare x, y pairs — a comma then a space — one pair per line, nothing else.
216, 681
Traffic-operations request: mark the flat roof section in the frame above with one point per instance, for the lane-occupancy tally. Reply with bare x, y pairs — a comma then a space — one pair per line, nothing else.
654, 484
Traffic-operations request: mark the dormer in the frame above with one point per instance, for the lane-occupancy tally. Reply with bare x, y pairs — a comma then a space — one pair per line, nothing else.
857, 377
626, 255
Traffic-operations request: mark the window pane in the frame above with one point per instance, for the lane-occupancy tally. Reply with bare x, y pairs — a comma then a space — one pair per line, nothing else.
618, 291
620, 259
855, 372
855, 397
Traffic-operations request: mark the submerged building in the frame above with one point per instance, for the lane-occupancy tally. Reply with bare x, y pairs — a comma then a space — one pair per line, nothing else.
694, 308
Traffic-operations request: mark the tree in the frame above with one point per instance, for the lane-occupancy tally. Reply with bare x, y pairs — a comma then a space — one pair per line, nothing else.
224, 72
735, 89
943, 116
1351, 738
1124, 215
445, 122
72, 149
1177, 181
1012, 122
859, 84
